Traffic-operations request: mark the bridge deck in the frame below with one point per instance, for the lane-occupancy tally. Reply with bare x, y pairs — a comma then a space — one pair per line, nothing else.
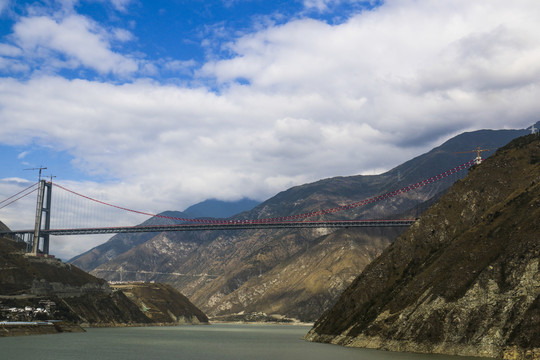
232, 225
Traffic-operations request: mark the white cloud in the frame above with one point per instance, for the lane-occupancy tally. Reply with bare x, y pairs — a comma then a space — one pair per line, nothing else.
322, 6
22, 155
121, 5
180, 67
81, 41
122, 35
8, 62
319, 5
398, 61
9, 50
19, 214
3, 5
13, 66
15, 180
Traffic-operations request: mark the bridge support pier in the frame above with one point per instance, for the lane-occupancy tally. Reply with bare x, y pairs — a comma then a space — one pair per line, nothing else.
43, 205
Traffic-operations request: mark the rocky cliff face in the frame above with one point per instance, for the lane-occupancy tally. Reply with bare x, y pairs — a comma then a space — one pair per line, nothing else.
297, 273
20, 274
307, 283
464, 279
162, 304
80, 298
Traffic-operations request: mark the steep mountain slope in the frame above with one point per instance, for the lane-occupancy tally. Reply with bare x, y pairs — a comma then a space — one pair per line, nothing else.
464, 279
162, 304
120, 243
218, 270
331, 192
81, 298
311, 280
20, 275
3, 227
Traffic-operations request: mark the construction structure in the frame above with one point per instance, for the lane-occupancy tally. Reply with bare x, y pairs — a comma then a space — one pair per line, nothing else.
478, 151
43, 207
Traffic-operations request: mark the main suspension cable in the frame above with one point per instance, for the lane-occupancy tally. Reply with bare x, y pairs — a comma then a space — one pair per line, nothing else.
297, 216
20, 197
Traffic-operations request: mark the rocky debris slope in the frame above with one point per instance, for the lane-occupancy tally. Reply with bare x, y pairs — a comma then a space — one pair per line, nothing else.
464, 279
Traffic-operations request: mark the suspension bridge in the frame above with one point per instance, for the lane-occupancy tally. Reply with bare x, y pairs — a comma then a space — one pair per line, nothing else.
39, 235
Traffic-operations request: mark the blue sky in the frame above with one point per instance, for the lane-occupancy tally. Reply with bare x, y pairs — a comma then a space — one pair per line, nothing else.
171, 39
180, 31
158, 105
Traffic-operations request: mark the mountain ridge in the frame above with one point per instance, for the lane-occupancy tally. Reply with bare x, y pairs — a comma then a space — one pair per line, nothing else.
464, 279
217, 269
214, 208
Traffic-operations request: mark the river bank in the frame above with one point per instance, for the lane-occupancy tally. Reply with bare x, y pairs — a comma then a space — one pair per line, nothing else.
37, 328
40, 328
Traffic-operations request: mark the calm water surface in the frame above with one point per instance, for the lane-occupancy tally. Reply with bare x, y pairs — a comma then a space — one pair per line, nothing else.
219, 341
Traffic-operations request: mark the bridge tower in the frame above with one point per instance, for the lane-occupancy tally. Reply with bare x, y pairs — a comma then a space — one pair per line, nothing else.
43, 205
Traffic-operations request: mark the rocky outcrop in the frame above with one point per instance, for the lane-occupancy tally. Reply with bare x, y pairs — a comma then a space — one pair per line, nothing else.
27, 282
464, 279
162, 304
20, 274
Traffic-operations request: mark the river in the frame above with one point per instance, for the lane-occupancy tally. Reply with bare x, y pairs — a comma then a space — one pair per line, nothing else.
218, 341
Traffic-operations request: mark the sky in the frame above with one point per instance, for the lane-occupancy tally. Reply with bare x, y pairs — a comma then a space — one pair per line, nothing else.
156, 105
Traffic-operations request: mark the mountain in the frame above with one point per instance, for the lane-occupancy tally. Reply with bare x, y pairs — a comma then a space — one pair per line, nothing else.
464, 279
162, 303
3, 227
213, 208
295, 273
120, 243
81, 298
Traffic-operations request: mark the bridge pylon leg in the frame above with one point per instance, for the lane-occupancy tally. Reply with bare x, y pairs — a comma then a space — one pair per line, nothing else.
43, 205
